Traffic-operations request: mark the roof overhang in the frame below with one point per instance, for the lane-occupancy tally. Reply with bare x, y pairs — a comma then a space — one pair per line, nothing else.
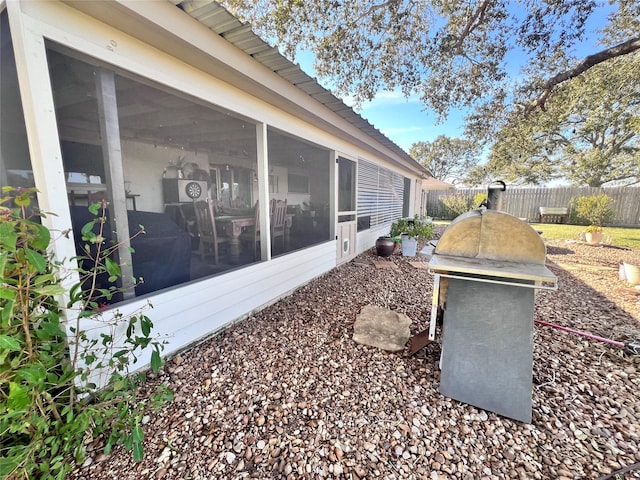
211, 36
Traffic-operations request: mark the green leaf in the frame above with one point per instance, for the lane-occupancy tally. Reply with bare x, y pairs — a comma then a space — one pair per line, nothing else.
10, 462
156, 361
36, 260
42, 238
50, 290
8, 236
46, 278
3, 357
138, 434
34, 373
94, 208
112, 267
87, 229
3, 262
7, 312
146, 325
23, 199
49, 330
138, 452
9, 343
75, 293
106, 293
18, 397
7, 293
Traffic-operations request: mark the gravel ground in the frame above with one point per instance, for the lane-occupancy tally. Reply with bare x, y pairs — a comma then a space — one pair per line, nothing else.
286, 393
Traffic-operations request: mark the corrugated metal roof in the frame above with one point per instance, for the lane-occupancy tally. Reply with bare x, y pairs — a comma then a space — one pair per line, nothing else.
219, 20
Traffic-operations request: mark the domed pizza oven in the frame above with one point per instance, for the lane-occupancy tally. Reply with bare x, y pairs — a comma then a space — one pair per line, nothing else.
486, 267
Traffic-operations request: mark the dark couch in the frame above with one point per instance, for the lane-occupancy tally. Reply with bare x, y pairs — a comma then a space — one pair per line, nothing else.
162, 255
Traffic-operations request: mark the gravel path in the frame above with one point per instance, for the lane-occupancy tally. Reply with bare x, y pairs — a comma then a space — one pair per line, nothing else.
287, 393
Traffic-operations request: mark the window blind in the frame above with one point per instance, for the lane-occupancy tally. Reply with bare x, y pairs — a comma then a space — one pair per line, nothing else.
380, 193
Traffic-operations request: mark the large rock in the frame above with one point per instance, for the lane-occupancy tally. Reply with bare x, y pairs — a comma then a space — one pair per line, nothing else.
382, 328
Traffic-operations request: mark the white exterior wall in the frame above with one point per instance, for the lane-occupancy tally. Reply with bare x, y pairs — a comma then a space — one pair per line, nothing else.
140, 170
367, 238
191, 311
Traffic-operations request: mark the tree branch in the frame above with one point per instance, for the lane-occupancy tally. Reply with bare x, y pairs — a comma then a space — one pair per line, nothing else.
475, 21
619, 50
370, 11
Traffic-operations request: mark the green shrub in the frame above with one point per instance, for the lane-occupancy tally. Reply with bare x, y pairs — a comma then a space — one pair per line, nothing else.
48, 406
479, 199
416, 227
455, 205
594, 210
398, 227
574, 218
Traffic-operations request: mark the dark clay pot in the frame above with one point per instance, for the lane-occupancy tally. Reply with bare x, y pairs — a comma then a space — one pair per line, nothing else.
384, 246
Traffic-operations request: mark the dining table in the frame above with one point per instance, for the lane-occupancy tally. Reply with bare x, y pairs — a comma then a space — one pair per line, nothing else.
233, 225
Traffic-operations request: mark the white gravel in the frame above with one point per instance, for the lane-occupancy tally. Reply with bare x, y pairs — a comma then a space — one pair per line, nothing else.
288, 394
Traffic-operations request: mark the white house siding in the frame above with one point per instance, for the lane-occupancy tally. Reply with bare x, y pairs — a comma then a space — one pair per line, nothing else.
194, 310
380, 197
203, 307
187, 314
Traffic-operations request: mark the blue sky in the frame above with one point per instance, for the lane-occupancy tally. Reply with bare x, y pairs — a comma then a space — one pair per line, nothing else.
405, 122
401, 119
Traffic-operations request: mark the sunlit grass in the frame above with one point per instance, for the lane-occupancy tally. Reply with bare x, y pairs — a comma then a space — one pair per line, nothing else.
620, 236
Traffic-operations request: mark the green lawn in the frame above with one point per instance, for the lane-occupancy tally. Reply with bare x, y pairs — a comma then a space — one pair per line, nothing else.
620, 237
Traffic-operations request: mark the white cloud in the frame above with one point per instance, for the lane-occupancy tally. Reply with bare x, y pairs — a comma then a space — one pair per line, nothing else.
395, 97
383, 99
389, 132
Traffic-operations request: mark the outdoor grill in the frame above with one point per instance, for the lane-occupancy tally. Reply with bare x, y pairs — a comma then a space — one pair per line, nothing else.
486, 267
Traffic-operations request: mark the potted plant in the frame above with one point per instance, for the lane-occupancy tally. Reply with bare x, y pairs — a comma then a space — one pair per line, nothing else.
411, 230
385, 246
596, 210
593, 234
174, 169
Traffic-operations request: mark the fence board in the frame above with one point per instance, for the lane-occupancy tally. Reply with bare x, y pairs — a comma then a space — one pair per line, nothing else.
524, 202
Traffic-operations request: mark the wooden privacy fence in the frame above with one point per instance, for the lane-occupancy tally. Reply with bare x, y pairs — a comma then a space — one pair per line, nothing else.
524, 202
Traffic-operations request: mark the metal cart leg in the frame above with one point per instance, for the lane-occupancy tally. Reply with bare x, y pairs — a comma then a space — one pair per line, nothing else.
434, 307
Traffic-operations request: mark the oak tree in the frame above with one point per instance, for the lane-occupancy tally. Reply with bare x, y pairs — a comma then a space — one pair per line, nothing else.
448, 159
589, 132
452, 53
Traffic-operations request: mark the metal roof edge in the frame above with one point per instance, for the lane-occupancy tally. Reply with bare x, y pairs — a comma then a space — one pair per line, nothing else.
220, 21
